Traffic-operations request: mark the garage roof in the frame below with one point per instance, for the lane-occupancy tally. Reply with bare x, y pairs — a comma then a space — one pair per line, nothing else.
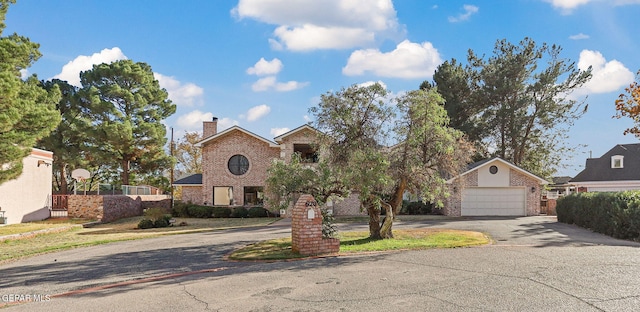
490, 161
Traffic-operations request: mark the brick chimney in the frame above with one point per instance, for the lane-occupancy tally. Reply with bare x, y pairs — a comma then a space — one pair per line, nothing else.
209, 128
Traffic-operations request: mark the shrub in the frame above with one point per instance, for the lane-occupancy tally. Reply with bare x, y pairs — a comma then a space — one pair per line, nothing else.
196, 211
415, 208
239, 212
329, 229
257, 212
145, 224
180, 209
160, 223
614, 214
221, 212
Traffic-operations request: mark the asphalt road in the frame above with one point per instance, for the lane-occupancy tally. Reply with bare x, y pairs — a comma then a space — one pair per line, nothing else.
535, 264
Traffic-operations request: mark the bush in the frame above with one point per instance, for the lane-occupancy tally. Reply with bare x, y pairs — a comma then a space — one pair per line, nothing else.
180, 209
614, 214
329, 229
415, 208
257, 212
221, 212
196, 211
145, 224
239, 212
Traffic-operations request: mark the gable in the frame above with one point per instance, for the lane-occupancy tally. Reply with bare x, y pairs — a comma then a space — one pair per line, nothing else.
233, 131
501, 178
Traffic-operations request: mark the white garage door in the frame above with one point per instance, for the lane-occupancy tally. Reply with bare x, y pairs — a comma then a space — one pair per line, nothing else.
493, 201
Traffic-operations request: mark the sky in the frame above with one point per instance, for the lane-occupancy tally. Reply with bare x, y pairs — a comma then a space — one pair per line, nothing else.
261, 64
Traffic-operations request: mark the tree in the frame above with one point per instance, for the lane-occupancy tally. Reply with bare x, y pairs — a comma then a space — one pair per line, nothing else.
27, 111
358, 121
628, 105
188, 155
127, 109
68, 141
518, 102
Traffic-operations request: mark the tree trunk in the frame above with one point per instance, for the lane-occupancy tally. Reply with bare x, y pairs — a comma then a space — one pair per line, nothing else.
374, 221
63, 188
386, 231
125, 172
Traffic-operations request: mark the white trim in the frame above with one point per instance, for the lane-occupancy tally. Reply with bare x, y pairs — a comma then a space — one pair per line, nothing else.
510, 165
632, 183
235, 128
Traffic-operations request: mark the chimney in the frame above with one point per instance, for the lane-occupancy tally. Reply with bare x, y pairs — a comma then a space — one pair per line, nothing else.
209, 128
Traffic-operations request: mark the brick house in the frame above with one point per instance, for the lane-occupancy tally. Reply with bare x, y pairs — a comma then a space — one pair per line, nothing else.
494, 187
235, 163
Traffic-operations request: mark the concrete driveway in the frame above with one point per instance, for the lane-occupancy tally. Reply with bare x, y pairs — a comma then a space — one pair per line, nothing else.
536, 264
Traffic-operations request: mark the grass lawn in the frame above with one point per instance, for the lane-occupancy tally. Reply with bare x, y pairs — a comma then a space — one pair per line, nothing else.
126, 229
355, 242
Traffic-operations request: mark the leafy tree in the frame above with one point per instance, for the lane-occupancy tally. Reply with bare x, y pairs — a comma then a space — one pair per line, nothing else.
628, 105
357, 123
27, 111
518, 103
188, 156
128, 107
68, 141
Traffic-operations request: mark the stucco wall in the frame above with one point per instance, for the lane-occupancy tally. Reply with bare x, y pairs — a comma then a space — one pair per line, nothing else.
28, 197
216, 155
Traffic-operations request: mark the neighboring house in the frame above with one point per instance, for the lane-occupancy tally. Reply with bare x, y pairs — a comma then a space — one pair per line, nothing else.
616, 170
494, 187
28, 197
559, 187
235, 163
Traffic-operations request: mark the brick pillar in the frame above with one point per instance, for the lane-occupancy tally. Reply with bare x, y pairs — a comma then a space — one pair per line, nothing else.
306, 229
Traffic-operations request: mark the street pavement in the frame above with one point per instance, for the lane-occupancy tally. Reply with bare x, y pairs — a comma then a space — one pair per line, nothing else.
534, 264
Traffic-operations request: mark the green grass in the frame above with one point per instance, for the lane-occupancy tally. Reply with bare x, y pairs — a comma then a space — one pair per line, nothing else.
121, 230
356, 242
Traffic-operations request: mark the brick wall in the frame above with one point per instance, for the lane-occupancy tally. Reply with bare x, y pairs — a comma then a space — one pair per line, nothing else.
192, 194
306, 229
453, 204
113, 207
304, 136
516, 178
350, 206
216, 155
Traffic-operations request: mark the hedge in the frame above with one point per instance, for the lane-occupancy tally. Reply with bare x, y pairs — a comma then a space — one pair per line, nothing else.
616, 214
189, 210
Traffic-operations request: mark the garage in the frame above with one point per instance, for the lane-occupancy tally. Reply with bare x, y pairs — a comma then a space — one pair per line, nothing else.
493, 201
494, 187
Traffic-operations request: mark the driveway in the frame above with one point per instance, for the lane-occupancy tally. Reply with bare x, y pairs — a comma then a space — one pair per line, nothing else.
536, 264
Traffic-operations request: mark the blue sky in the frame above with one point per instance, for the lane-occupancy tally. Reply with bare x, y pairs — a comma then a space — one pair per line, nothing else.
261, 64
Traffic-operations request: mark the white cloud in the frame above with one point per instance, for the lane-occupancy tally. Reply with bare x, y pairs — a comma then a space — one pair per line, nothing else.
468, 11
24, 73
311, 37
409, 60
370, 83
193, 120
579, 36
71, 71
226, 123
607, 76
278, 131
188, 94
263, 67
257, 112
329, 24
270, 83
567, 6
306, 118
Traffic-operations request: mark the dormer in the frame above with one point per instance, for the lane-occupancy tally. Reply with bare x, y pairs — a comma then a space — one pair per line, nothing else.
617, 161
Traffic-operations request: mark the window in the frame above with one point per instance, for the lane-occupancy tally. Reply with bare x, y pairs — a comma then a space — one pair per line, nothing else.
253, 195
222, 195
307, 153
493, 169
238, 164
617, 161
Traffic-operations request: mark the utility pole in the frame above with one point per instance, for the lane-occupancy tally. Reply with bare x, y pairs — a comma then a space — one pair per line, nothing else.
171, 148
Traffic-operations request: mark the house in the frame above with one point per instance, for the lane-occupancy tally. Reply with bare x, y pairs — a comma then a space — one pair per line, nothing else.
28, 197
235, 163
494, 187
616, 170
